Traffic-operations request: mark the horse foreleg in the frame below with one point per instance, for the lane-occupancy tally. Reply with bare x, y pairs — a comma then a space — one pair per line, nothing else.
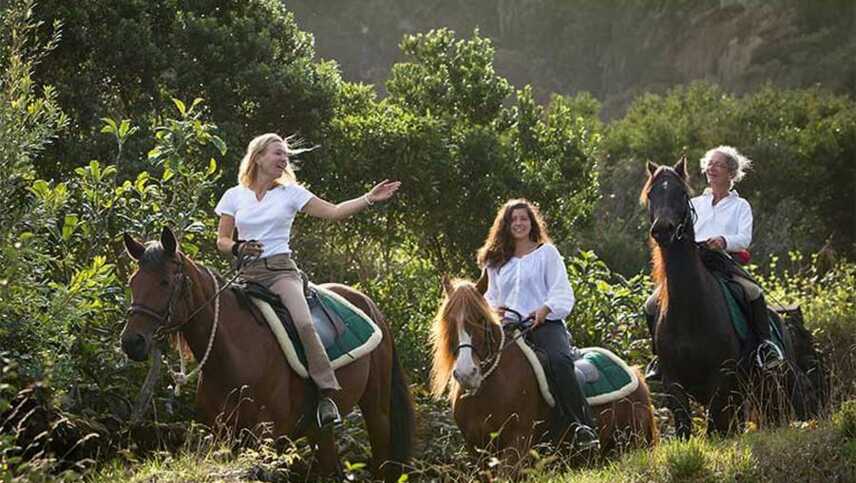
724, 411
327, 455
679, 404
378, 426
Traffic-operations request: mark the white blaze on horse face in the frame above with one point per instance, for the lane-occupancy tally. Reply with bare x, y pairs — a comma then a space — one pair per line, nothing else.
466, 370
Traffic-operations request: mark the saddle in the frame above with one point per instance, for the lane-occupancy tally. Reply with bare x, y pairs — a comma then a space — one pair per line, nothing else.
346, 332
603, 376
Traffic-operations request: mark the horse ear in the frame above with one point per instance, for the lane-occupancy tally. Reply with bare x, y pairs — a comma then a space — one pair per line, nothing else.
134, 248
681, 167
168, 241
652, 168
447, 285
481, 285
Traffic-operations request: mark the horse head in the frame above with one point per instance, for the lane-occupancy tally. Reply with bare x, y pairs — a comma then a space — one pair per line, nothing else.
464, 337
157, 289
667, 197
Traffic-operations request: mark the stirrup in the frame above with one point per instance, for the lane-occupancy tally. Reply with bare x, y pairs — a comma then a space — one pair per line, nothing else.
589, 441
337, 418
776, 361
652, 370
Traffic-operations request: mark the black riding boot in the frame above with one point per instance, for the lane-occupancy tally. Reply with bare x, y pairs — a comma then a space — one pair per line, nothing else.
767, 355
652, 372
327, 413
552, 337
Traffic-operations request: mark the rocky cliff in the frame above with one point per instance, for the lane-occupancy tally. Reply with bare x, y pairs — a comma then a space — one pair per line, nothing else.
614, 49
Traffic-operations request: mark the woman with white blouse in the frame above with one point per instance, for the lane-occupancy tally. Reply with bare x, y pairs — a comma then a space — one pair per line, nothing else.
724, 223
263, 206
526, 273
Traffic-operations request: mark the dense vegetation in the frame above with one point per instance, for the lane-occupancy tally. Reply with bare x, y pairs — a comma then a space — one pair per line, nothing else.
97, 140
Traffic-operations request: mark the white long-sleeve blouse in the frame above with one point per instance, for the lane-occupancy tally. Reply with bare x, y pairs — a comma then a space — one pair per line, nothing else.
731, 219
528, 282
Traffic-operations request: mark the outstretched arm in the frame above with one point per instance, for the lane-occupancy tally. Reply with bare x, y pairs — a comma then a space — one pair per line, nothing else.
324, 209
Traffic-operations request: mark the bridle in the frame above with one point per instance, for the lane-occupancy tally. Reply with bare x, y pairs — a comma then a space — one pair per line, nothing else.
164, 317
489, 364
688, 220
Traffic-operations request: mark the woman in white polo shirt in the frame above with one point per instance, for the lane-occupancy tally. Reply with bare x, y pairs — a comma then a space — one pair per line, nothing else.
526, 273
724, 223
262, 207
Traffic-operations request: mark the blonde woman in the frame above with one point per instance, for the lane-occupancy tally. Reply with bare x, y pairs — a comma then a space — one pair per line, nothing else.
263, 206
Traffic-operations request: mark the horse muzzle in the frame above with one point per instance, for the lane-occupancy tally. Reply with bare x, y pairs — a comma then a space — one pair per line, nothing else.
470, 378
135, 346
663, 231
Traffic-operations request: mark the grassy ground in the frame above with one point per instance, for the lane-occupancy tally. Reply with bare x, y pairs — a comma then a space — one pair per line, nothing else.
815, 451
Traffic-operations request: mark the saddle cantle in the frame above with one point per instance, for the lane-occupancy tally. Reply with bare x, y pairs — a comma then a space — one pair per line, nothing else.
346, 332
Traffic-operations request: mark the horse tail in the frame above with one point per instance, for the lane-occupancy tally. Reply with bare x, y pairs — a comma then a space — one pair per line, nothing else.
402, 416
811, 394
645, 408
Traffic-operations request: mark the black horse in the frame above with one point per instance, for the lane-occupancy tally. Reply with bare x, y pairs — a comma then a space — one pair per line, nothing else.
699, 349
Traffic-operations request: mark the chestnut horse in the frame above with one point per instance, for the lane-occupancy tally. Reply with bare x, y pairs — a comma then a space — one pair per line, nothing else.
506, 411
245, 380
699, 350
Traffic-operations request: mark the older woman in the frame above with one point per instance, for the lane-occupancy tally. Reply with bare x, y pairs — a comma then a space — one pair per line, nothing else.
724, 223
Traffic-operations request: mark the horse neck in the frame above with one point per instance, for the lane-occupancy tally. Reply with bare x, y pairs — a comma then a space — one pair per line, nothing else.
687, 281
197, 331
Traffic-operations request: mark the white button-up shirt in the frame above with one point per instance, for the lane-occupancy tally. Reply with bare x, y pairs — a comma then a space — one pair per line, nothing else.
731, 219
528, 282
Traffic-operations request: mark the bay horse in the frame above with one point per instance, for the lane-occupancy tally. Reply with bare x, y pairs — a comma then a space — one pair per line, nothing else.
245, 376
505, 411
698, 346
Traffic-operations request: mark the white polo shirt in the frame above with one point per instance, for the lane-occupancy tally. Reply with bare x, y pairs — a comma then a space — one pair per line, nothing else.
269, 220
528, 282
731, 219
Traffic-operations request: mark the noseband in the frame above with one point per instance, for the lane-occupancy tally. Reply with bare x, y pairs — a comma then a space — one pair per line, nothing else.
688, 220
164, 317
492, 361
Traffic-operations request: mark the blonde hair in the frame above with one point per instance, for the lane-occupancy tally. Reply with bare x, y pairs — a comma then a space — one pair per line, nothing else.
249, 164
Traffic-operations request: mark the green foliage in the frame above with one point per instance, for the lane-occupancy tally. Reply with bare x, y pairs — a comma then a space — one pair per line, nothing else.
608, 311
828, 302
801, 187
844, 420
448, 132
248, 60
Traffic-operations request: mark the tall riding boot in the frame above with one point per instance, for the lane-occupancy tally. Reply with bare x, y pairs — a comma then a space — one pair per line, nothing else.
652, 372
768, 355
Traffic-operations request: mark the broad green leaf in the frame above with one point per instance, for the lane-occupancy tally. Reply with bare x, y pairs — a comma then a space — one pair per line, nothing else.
180, 105
68, 226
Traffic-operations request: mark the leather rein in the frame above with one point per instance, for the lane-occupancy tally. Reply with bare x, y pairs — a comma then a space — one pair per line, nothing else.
491, 362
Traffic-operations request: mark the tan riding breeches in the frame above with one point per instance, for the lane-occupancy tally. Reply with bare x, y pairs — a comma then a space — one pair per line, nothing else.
279, 274
753, 292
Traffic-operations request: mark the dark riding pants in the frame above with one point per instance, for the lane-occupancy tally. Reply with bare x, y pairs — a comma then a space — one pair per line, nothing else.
553, 338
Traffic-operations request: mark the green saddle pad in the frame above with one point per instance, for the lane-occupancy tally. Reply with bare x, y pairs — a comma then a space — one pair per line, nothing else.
738, 319
614, 380
359, 329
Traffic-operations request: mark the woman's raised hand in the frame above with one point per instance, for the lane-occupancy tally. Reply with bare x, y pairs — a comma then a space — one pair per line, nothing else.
383, 191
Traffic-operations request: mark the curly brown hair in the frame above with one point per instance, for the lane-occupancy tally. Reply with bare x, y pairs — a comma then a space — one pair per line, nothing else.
498, 247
